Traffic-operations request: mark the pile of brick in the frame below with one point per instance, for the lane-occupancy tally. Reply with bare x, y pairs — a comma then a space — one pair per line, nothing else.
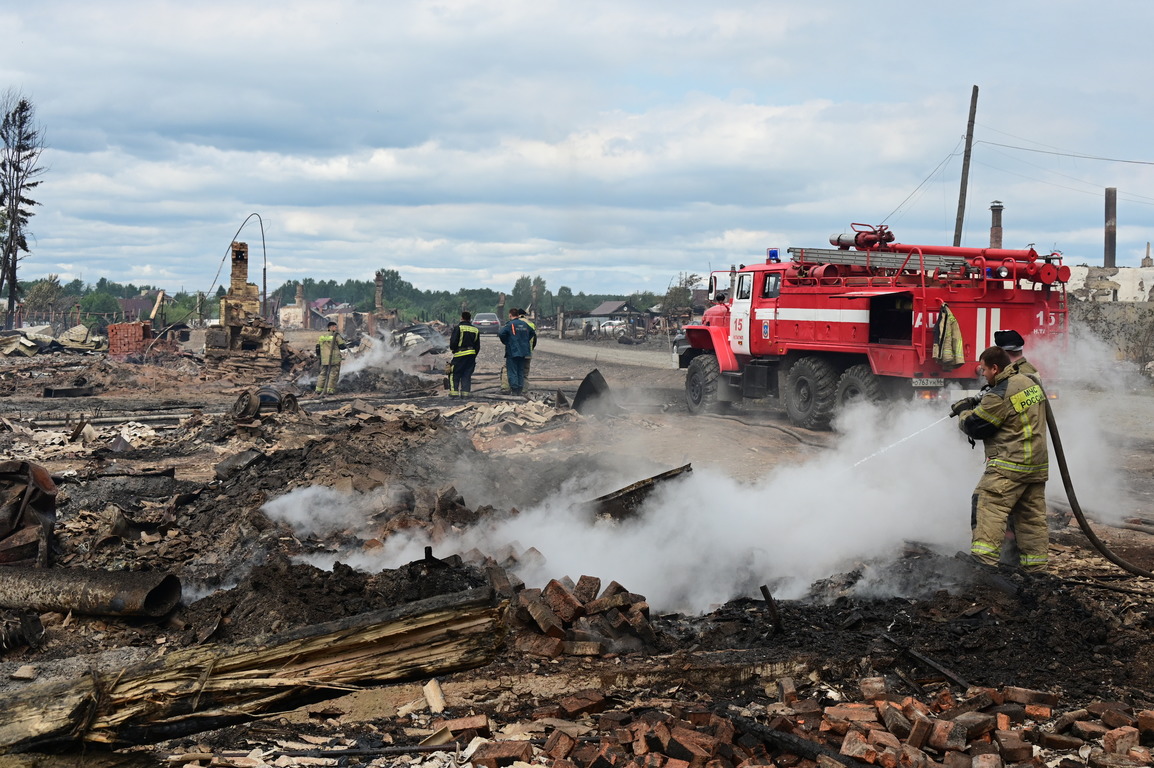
991, 728
128, 338
580, 619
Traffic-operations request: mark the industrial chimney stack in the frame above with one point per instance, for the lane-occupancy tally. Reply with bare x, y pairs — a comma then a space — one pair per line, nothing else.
1111, 227
996, 224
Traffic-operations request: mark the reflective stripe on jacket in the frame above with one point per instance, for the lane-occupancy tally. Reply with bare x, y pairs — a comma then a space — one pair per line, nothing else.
329, 348
1010, 420
465, 340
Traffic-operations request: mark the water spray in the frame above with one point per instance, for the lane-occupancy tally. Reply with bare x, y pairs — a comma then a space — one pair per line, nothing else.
896, 443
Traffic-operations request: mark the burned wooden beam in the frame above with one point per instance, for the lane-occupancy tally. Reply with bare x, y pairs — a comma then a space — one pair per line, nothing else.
210, 686
624, 502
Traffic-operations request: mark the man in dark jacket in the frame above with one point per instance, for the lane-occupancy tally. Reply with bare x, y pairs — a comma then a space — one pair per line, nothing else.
518, 338
1010, 420
464, 343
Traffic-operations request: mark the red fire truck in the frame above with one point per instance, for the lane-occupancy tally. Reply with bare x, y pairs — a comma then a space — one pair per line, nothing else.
869, 318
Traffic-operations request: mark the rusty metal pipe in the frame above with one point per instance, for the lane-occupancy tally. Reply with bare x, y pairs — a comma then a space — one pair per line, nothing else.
101, 593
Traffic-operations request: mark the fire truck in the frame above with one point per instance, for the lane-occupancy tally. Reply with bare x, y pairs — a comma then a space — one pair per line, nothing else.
867, 319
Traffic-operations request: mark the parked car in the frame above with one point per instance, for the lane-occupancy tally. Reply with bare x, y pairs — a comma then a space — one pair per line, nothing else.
486, 322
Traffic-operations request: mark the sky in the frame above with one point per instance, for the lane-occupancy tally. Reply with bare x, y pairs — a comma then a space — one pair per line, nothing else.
604, 146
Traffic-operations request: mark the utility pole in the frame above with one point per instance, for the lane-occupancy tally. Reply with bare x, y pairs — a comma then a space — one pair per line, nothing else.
966, 168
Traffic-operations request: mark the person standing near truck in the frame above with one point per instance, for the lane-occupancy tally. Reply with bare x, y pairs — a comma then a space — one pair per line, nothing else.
1010, 420
528, 360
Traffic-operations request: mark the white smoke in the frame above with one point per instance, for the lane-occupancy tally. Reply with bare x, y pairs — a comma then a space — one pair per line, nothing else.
319, 510
897, 473
706, 538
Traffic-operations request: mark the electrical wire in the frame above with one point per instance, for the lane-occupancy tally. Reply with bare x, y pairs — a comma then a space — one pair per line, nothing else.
1067, 154
937, 170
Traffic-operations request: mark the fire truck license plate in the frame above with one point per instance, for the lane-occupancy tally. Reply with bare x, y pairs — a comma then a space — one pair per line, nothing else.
928, 382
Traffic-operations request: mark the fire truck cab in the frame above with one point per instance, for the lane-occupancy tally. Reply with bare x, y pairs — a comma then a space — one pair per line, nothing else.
868, 319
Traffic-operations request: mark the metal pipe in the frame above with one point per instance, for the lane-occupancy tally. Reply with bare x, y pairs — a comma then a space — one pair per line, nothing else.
100, 593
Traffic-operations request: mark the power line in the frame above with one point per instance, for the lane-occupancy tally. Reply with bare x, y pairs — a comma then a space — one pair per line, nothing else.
1066, 154
937, 170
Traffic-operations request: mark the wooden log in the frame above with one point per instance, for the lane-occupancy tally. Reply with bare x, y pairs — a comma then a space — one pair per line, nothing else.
210, 686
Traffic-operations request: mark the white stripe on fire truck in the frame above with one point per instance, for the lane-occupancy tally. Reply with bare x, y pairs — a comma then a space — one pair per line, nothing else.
815, 315
995, 325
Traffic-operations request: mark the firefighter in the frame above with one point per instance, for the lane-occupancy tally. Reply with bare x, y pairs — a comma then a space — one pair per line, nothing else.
518, 338
528, 360
1012, 342
1010, 420
465, 344
329, 346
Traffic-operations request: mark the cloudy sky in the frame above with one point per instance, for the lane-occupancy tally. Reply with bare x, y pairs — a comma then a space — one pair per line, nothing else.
606, 146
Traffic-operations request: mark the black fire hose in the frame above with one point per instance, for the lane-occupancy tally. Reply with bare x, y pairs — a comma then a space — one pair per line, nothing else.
1077, 509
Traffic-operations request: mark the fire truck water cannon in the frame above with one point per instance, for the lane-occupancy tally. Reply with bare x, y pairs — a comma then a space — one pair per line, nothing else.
869, 319
987, 263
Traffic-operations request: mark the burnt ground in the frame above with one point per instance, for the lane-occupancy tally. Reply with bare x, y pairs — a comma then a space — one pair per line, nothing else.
158, 504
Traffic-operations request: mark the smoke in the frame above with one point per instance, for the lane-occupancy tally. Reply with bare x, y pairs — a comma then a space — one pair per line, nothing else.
375, 353
898, 473
318, 510
1099, 406
706, 538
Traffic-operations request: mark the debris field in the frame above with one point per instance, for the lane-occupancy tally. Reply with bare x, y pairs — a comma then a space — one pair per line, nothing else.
282, 652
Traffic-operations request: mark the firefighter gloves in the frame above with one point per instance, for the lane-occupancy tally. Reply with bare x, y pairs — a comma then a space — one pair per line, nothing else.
965, 404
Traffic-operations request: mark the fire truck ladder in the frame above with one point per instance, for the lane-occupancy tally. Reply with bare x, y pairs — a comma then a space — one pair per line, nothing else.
881, 259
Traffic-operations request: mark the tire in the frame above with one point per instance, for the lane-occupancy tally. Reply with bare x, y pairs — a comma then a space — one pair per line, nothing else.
701, 383
859, 383
810, 393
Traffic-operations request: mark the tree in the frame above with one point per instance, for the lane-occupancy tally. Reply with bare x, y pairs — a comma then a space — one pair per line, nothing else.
43, 294
19, 168
99, 309
678, 301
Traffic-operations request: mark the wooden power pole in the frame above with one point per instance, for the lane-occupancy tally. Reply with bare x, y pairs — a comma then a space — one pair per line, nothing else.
966, 169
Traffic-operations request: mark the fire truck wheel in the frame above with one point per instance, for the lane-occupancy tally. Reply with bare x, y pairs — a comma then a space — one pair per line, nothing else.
810, 393
701, 383
859, 382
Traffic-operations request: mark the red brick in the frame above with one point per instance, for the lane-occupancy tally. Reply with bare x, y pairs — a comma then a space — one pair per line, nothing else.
855, 745
1119, 741
980, 700
895, 722
545, 619
1088, 729
955, 759
587, 588
1061, 741
1143, 755
1069, 718
561, 601
920, 730
882, 739
540, 645
603, 604
890, 757
1116, 718
912, 757
1146, 720
975, 723
612, 720
855, 712
559, 744
584, 702
1039, 711
787, 690
1012, 747
493, 754
947, 735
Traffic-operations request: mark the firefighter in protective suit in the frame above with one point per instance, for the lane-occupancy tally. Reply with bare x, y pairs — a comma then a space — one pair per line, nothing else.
1010, 420
329, 346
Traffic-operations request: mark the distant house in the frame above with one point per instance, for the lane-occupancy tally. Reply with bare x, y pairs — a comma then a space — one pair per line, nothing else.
323, 306
140, 307
619, 310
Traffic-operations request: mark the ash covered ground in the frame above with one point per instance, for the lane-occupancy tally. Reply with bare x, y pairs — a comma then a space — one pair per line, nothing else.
335, 507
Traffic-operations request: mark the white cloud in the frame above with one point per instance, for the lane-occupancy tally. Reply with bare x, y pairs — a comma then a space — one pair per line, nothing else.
605, 146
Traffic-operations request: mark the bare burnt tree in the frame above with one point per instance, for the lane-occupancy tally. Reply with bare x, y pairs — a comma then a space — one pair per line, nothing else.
19, 168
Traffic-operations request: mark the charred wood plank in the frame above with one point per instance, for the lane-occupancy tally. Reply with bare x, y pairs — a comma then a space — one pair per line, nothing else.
207, 686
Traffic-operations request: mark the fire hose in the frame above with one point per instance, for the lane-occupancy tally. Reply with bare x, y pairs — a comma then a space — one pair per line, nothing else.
1077, 509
